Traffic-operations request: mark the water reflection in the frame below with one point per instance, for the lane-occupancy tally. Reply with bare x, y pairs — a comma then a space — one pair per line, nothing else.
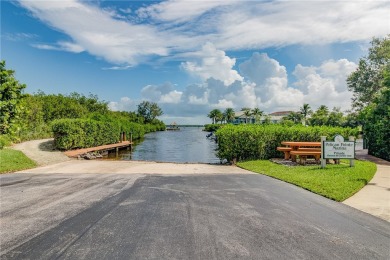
187, 145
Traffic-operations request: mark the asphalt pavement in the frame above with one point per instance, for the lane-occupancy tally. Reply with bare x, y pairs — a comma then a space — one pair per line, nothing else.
192, 216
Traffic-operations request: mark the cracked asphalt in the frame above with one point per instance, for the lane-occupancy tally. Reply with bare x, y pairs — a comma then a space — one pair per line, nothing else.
188, 216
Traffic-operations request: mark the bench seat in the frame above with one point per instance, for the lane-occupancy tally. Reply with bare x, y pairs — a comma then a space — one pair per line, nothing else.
304, 154
286, 151
309, 149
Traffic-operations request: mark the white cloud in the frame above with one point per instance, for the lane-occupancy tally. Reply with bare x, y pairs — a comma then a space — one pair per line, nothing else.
326, 84
125, 104
172, 97
181, 11
17, 37
161, 94
213, 64
265, 86
174, 28
100, 34
60, 46
270, 79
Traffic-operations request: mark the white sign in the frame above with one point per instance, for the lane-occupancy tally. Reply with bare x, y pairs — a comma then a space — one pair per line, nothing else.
338, 150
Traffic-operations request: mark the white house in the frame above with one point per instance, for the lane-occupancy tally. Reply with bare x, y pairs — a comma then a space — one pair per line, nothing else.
274, 117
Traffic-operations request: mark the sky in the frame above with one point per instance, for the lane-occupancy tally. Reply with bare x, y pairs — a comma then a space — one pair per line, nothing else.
192, 56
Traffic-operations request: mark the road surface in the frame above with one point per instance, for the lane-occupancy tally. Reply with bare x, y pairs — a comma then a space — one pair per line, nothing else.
191, 216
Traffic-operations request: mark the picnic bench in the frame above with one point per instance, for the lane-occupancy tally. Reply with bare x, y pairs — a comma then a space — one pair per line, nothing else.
301, 149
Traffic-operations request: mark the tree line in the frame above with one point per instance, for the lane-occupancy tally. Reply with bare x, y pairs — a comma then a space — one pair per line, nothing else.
305, 115
229, 115
30, 116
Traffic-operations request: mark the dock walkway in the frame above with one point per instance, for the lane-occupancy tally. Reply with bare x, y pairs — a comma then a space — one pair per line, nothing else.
75, 153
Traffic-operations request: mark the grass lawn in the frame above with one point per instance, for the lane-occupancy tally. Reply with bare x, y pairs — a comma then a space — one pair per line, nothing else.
336, 182
12, 160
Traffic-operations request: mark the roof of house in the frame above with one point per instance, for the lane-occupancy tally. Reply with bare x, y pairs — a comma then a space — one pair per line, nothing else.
281, 113
240, 114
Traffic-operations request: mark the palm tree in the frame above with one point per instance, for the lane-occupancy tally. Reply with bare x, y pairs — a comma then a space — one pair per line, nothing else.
305, 111
247, 113
296, 117
214, 114
229, 115
219, 117
257, 113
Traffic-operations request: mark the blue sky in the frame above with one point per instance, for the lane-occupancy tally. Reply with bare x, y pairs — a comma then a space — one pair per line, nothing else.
192, 56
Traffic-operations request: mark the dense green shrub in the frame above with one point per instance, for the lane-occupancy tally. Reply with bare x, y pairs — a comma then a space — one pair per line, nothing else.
243, 142
377, 126
212, 127
83, 133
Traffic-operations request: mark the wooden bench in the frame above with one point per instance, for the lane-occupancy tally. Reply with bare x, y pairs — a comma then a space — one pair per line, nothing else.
304, 154
296, 145
286, 151
311, 149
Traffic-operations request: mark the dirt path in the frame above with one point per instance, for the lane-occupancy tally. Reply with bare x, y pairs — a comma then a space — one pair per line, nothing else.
41, 151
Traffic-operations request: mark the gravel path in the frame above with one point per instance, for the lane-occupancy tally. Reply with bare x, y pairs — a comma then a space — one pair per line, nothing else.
41, 151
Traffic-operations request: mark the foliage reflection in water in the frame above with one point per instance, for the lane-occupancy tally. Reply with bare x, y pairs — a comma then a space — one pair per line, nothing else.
187, 145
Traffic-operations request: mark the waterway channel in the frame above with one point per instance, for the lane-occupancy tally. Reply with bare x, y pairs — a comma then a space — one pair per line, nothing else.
189, 144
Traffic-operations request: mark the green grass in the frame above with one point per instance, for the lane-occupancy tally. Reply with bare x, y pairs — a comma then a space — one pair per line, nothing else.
12, 160
336, 182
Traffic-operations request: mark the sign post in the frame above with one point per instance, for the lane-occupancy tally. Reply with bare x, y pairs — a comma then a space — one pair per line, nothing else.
352, 161
338, 149
323, 160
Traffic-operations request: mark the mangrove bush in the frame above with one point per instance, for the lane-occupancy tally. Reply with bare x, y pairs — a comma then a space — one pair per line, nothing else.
244, 142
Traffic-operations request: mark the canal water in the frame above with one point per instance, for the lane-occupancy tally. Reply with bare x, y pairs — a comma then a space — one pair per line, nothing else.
189, 144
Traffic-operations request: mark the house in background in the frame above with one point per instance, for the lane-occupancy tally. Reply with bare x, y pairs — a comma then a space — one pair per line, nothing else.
274, 117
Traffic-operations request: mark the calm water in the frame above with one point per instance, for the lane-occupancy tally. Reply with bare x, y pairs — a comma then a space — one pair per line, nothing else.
187, 145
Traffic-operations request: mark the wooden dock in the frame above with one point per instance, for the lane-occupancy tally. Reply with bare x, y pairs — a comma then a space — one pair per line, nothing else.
75, 153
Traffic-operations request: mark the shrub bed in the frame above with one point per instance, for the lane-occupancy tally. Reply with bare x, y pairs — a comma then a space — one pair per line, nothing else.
211, 127
244, 142
83, 133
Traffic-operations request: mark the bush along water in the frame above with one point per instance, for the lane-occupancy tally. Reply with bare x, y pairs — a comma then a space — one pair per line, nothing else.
245, 142
83, 133
212, 127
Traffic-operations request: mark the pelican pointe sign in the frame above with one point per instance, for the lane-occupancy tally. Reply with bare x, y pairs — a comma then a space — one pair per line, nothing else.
338, 149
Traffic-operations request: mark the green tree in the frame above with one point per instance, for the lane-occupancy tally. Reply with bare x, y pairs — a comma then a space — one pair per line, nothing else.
336, 118
11, 92
305, 111
214, 115
370, 84
247, 113
229, 115
320, 116
377, 121
91, 103
219, 117
60, 106
352, 119
295, 117
366, 81
149, 111
257, 113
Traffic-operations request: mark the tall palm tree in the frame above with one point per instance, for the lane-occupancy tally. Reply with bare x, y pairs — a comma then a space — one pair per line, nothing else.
305, 111
247, 113
214, 114
219, 117
257, 113
229, 115
296, 117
